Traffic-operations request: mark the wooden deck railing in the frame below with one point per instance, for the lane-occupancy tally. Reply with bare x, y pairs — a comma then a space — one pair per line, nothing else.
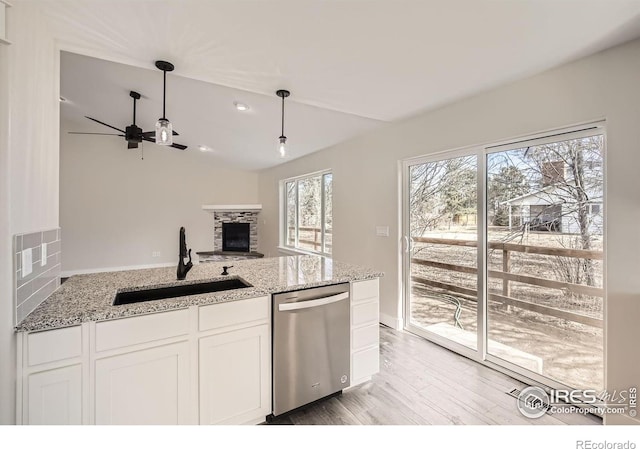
317, 233
506, 276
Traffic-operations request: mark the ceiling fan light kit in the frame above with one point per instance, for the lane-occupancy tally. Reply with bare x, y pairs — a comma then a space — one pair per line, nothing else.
133, 134
282, 140
164, 128
164, 132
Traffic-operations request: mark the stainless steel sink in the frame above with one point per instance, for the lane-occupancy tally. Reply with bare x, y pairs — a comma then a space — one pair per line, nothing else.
153, 294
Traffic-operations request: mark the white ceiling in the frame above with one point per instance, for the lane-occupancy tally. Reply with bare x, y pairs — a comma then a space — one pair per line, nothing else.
353, 60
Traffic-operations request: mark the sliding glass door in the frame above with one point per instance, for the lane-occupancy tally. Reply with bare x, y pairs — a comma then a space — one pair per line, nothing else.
441, 249
545, 250
504, 254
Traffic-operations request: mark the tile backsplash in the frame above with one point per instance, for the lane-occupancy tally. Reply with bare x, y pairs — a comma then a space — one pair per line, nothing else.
30, 289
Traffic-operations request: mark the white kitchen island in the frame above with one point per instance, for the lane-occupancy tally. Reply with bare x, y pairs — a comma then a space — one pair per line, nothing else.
198, 359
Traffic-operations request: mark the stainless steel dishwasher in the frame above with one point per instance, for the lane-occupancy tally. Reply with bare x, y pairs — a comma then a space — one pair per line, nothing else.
310, 345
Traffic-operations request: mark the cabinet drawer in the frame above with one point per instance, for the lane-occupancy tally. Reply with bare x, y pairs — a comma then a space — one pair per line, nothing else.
141, 329
365, 363
365, 336
364, 313
233, 313
53, 345
363, 290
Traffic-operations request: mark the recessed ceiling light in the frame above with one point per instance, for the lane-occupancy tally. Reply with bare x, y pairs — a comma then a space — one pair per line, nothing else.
241, 106
204, 148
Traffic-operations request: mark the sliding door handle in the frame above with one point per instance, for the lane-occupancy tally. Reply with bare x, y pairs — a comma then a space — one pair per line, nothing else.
407, 244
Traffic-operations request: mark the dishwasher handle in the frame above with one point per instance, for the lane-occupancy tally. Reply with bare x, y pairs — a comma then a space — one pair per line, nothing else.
312, 303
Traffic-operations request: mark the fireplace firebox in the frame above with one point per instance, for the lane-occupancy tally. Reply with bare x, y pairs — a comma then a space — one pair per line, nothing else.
235, 237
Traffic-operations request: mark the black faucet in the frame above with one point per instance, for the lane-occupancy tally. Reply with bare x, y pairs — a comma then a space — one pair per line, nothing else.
224, 270
182, 268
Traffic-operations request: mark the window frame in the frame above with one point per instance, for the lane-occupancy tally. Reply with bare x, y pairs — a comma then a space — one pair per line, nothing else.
283, 241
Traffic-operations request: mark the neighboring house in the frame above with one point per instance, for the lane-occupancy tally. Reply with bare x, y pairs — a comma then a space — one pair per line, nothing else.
553, 208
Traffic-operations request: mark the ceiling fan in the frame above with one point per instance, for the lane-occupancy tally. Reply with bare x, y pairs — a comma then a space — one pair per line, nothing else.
134, 134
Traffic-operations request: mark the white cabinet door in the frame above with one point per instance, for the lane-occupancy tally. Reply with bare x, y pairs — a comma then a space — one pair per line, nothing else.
235, 376
144, 387
55, 396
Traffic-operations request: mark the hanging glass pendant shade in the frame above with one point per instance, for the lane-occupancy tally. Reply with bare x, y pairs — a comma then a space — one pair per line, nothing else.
282, 146
164, 132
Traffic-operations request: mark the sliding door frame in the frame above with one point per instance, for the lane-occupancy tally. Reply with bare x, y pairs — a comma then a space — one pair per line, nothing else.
478, 353
482, 152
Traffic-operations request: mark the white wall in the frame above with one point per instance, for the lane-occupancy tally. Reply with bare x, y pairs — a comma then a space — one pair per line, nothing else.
28, 160
116, 209
7, 340
365, 177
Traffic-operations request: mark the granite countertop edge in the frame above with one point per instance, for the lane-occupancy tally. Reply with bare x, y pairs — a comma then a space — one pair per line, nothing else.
70, 305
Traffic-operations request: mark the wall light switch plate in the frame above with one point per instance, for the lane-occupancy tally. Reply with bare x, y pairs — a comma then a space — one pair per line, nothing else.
27, 261
382, 231
43, 255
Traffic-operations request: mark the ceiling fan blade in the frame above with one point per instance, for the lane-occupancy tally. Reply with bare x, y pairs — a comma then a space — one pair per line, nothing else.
103, 123
153, 133
97, 134
175, 145
131, 145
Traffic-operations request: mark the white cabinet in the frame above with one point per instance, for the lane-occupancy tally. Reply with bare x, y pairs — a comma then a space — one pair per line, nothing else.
235, 380
234, 359
54, 396
365, 330
144, 387
50, 377
209, 364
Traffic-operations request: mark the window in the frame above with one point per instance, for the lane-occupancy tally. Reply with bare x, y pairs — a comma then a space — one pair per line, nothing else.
307, 214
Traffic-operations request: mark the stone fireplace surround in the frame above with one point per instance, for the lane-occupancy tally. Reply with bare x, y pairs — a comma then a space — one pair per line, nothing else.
240, 213
250, 217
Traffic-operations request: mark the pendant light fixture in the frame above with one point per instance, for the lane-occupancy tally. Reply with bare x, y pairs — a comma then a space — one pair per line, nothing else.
164, 128
282, 140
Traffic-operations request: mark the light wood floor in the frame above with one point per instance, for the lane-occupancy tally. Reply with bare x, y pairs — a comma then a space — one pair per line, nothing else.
422, 383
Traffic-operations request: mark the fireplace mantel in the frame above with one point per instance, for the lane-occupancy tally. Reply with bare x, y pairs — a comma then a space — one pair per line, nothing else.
231, 207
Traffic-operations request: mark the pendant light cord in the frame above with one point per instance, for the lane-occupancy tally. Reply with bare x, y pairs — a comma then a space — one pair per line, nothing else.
164, 95
282, 133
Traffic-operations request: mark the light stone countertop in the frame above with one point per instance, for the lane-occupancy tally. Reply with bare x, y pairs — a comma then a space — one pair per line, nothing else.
89, 297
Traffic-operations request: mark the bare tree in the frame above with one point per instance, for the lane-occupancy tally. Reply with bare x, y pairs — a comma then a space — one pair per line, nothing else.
573, 168
440, 191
